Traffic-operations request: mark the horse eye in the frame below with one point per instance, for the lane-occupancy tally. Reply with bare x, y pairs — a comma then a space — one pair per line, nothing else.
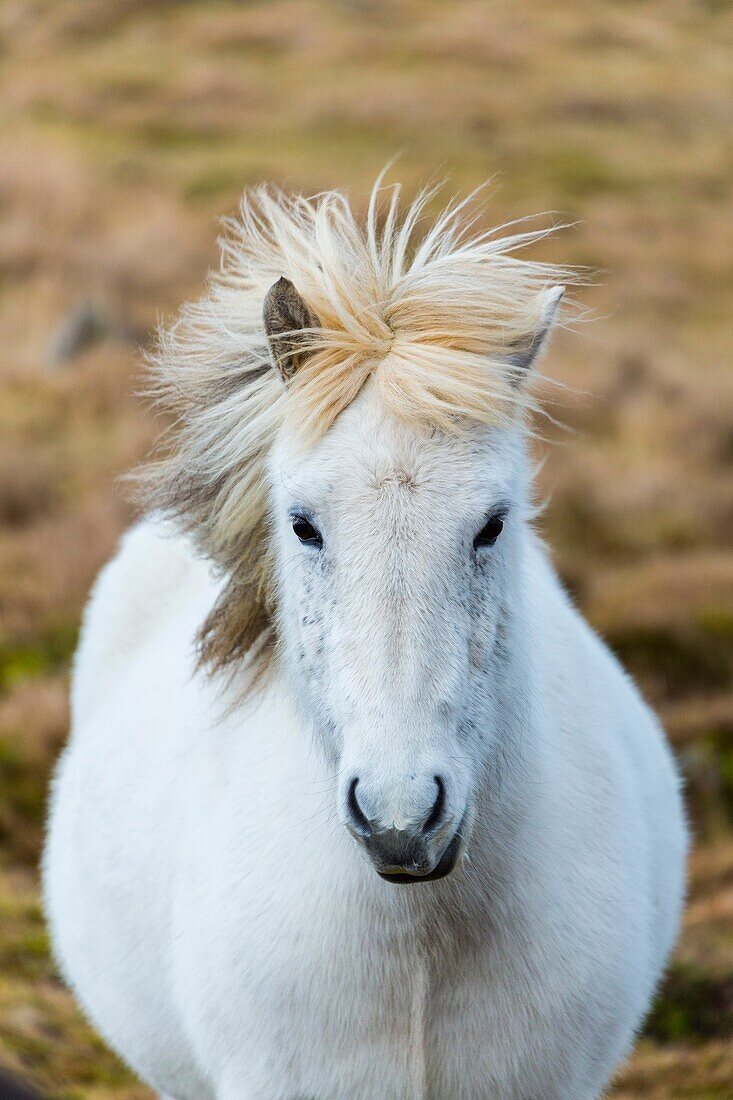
489, 533
306, 532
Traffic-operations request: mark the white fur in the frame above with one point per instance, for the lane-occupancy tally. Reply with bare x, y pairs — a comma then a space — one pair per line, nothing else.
216, 921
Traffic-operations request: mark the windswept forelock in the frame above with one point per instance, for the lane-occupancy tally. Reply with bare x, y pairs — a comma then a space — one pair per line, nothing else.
432, 317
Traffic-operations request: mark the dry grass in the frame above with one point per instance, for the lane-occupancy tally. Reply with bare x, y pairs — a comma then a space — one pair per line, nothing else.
128, 127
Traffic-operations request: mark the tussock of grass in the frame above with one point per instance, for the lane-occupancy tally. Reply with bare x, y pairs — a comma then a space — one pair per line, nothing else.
671, 662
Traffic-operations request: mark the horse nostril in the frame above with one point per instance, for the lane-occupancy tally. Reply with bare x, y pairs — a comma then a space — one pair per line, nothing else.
358, 818
435, 815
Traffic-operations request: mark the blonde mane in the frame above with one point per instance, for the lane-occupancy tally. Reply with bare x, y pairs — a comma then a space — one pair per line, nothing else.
429, 316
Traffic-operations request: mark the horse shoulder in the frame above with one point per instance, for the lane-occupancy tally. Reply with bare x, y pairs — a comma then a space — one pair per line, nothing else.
152, 576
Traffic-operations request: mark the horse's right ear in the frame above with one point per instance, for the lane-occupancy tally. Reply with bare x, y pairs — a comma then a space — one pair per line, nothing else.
521, 358
288, 322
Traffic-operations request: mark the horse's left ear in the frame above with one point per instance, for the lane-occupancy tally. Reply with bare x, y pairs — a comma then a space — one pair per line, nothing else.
286, 315
520, 359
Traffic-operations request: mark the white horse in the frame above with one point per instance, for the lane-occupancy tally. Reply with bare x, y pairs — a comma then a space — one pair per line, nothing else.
356, 806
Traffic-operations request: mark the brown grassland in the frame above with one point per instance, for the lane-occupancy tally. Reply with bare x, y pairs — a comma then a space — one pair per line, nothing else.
127, 127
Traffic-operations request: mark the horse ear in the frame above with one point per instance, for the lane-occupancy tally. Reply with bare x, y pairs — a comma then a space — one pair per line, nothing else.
286, 315
520, 359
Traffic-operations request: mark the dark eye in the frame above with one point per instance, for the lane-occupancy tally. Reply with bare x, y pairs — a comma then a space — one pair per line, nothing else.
306, 532
489, 533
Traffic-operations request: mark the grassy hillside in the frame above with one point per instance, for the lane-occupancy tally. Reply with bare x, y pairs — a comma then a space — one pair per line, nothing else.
128, 127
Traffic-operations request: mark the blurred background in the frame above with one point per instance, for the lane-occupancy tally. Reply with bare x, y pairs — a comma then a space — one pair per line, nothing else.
129, 127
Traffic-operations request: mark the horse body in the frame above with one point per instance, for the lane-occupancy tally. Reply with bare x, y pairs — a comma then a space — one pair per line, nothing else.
437, 693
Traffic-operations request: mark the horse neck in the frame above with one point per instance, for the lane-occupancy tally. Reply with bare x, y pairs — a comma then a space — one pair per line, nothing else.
510, 681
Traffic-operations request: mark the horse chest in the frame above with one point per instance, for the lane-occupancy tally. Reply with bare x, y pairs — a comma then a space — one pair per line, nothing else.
329, 1002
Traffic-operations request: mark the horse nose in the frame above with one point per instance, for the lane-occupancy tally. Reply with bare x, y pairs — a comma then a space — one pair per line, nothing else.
367, 818
401, 835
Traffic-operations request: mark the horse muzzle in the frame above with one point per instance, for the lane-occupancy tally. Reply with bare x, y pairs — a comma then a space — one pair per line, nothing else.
418, 870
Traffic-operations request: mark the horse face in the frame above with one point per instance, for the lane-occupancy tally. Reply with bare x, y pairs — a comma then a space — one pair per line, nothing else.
397, 552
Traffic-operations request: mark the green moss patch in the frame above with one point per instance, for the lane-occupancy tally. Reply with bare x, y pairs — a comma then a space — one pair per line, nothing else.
48, 652
692, 1005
